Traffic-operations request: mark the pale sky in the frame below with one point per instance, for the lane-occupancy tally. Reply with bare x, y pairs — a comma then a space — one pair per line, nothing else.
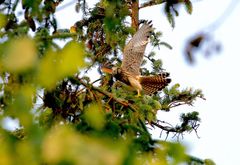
217, 75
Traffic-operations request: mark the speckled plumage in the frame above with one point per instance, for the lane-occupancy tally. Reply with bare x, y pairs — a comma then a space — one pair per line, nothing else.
133, 53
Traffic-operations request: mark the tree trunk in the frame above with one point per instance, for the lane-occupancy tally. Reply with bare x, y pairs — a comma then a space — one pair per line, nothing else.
135, 14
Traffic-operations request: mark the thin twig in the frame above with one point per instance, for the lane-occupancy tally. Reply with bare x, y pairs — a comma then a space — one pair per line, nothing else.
39, 96
57, 36
165, 122
96, 81
120, 101
166, 128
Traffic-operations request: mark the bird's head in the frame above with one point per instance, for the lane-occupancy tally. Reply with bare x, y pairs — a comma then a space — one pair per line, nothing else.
115, 71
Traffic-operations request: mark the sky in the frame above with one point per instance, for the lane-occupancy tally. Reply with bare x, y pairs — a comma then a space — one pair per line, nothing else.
216, 75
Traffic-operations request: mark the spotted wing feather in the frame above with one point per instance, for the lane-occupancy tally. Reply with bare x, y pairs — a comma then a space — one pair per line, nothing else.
134, 51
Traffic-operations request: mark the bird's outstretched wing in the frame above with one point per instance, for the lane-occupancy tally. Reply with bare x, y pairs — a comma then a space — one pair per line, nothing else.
134, 51
152, 84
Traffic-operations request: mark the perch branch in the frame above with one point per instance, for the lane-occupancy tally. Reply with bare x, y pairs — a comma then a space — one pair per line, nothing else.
120, 101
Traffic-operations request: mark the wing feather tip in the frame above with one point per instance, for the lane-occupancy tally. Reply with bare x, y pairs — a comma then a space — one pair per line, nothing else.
168, 80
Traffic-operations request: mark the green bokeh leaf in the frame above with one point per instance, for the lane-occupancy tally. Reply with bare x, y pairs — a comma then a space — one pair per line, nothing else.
57, 65
95, 116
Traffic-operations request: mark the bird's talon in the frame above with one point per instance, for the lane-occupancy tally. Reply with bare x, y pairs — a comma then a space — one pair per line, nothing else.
139, 94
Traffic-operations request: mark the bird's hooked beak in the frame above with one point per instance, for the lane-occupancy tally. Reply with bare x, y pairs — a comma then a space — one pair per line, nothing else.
107, 70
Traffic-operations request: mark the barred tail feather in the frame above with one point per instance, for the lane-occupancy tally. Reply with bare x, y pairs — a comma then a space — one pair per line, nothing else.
152, 84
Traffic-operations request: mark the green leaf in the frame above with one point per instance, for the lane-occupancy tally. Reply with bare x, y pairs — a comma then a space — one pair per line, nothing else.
169, 16
48, 74
175, 150
20, 55
94, 116
156, 104
157, 64
64, 144
166, 45
71, 58
3, 20
174, 89
188, 5
46, 117
209, 162
22, 105
57, 65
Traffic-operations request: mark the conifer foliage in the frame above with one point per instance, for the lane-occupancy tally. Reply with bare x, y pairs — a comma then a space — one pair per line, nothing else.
67, 117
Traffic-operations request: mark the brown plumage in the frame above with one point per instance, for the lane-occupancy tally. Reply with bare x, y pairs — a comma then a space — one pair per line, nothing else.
134, 51
152, 84
129, 72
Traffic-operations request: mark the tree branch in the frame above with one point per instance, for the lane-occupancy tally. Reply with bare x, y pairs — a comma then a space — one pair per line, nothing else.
179, 103
58, 36
151, 3
110, 95
166, 128
135, 14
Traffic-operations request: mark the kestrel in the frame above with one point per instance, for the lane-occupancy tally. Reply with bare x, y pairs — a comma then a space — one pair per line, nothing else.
129, 72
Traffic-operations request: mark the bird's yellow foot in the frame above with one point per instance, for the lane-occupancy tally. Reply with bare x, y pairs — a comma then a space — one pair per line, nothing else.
139, 93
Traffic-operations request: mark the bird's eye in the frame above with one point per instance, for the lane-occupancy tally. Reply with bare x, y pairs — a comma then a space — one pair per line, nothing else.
118, 70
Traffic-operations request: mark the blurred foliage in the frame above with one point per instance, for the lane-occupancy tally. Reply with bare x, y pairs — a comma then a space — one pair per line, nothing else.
203, 43
170, 8
65, 118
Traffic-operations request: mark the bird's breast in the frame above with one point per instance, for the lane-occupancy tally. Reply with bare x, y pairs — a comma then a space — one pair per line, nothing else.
123, 76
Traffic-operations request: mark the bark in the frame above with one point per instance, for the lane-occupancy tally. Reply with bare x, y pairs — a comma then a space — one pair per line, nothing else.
135, 14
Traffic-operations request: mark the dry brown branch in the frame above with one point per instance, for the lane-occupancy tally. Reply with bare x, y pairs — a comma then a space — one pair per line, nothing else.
110, 95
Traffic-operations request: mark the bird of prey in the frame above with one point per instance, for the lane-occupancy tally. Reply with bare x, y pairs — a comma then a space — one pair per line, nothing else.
129, 72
